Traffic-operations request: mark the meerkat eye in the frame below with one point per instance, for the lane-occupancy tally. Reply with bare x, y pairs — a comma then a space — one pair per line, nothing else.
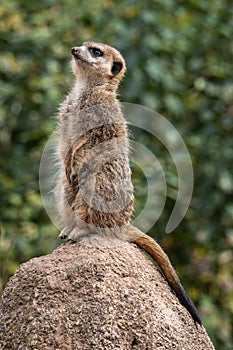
95, 52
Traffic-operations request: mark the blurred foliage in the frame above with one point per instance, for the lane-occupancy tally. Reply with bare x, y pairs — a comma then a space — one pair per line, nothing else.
179, 58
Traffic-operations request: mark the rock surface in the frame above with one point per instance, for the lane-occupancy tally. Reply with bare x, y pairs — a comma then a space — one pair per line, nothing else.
89, 298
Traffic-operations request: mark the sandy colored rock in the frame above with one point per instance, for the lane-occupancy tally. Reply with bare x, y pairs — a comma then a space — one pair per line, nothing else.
87, 298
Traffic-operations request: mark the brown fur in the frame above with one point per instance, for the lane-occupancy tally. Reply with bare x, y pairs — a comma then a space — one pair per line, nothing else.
95, 191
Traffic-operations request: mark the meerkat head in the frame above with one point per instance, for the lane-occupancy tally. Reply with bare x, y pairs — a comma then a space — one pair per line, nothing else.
99, 63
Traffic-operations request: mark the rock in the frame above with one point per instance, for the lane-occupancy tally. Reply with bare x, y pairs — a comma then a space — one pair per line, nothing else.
87, 298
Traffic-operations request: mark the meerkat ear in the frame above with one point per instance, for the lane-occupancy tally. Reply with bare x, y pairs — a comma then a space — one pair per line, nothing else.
116, 67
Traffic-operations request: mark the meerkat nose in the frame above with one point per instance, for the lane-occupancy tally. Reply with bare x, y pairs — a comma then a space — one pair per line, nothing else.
74, 50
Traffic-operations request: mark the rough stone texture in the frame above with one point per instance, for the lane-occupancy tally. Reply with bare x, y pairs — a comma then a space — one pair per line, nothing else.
84, 297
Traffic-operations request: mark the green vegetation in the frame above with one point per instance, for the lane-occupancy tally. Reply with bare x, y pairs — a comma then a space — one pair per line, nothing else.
179, 58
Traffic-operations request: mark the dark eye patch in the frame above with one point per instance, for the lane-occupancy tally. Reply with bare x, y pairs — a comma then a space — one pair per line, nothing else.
96, 52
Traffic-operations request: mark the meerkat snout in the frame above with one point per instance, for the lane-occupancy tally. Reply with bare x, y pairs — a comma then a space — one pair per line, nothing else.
74, 50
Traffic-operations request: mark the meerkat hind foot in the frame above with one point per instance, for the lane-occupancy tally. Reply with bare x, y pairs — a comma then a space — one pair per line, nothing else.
65, 232
78, 232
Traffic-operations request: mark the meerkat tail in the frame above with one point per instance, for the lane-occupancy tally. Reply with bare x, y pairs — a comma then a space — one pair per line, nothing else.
156, 252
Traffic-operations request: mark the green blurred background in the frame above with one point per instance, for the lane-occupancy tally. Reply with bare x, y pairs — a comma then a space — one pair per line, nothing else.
179, 56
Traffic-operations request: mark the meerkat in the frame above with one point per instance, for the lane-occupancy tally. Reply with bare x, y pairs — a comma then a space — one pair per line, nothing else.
94, 193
